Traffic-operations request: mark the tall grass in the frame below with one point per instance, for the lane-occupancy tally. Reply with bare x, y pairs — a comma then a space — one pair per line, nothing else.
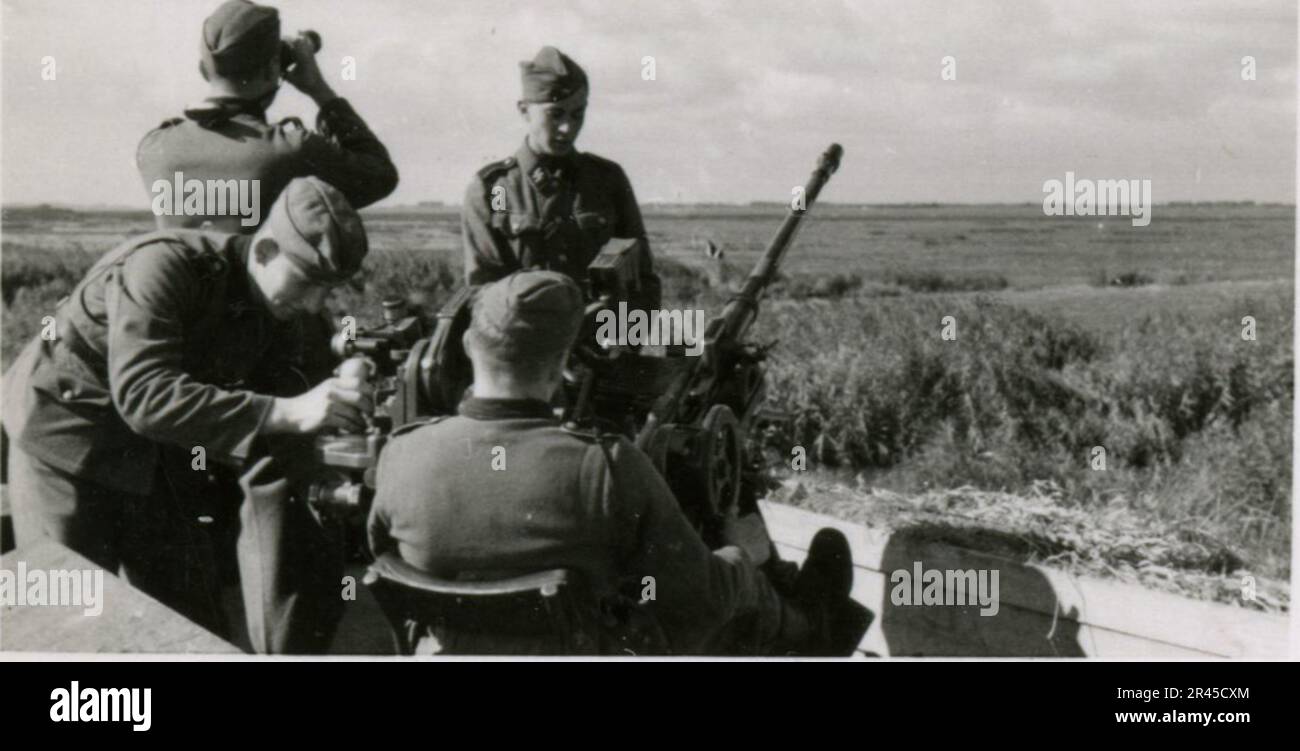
1194, 421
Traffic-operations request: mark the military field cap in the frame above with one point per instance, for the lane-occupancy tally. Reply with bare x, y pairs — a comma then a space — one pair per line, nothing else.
529, 313
551, 76
239, 37
318, 230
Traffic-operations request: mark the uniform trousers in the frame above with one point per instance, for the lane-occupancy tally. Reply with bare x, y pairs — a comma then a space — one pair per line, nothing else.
290, 562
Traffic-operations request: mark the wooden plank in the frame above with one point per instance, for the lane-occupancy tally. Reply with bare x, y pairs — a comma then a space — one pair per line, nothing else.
1210, 627
796, 527
130, 621
1084, 616
1018, 634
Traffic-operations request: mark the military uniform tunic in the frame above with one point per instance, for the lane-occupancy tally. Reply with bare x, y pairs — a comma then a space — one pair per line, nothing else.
231, 139
155, 353
553, 213
564, 499
157, 344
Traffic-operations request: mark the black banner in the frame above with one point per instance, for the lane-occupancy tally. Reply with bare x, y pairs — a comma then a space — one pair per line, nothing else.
335, 700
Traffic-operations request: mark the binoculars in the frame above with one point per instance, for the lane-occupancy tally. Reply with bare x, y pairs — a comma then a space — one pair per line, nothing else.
287, 58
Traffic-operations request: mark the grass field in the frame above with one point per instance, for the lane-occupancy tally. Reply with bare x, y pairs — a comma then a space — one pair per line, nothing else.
1072, 334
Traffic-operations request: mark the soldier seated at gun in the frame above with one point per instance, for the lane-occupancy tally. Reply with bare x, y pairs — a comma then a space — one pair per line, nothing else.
169, 341
503, 489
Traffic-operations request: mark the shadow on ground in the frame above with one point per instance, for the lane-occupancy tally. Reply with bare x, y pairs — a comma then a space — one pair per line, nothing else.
1028, 621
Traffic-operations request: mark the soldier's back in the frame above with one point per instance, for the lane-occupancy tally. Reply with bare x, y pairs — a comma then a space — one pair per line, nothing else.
245, 148
494, 498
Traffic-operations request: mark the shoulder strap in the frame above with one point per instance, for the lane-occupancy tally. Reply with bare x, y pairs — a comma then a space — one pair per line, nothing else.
491, 171
595, 435
414, 424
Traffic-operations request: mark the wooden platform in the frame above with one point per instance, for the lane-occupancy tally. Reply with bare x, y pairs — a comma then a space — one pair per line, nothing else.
1042, 612
130, 621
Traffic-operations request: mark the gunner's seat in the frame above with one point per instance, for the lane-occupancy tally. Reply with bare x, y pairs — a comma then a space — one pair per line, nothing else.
545, 613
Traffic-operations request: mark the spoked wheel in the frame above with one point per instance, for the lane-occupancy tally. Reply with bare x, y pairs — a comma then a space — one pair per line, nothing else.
719, 455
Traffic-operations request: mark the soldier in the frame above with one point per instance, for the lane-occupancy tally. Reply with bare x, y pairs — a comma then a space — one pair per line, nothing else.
550, 206
224, 144
156, 347
227, 137
571, 499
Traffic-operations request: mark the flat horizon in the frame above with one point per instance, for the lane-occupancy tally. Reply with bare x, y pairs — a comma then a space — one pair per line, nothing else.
381, 208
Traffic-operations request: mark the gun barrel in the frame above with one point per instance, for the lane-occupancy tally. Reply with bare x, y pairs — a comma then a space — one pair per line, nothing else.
686, 398
742, 308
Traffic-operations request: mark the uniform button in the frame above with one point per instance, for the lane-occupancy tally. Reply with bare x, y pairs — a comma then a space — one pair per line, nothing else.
67, 395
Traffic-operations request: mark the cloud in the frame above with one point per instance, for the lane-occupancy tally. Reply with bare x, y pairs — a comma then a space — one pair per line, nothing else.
746, 94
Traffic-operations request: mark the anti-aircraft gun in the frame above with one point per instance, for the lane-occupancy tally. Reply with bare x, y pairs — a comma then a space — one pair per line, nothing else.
690, 414
702, 408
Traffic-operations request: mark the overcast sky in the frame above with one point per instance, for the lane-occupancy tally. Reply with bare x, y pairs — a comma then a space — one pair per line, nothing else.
746, 95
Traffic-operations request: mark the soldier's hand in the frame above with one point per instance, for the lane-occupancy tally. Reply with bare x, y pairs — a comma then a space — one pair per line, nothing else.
334, 403
305, 74
351, 400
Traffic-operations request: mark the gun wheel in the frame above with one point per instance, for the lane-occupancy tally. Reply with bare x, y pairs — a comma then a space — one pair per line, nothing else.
721, 458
